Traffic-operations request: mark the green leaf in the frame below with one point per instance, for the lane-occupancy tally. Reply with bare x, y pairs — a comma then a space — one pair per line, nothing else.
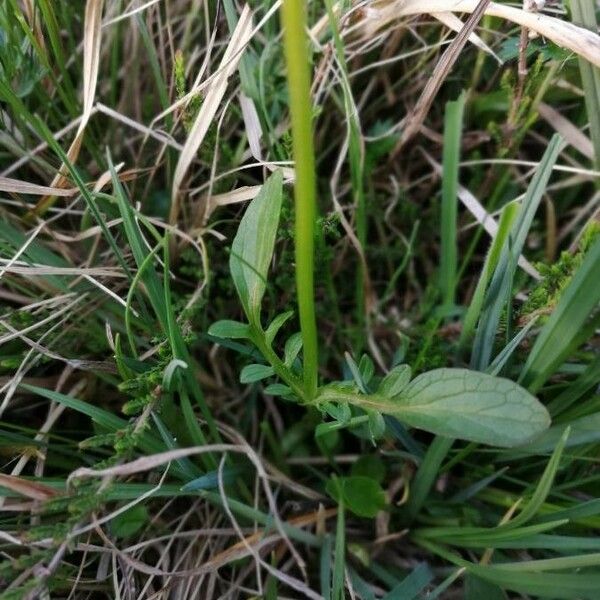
500, 288
376, 425
369, 465
395, 381
254, 373
356, 374
585, 430
476, 588
171, 370
544, 486
412, 585
210, 480
276, 324
340, 412
362, 495
453, 125
278, 389
252, 248
98, 415
129, 522
292, 349
366, 368
233, 330
507, 218
473, 406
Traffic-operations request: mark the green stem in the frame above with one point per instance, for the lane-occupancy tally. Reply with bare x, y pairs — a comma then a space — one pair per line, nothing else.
294, 21
285, 374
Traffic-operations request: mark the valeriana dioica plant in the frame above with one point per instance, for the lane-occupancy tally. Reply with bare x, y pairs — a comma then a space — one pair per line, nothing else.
458, 403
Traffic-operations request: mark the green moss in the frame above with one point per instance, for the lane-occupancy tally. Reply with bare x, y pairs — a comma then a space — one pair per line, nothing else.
556, 277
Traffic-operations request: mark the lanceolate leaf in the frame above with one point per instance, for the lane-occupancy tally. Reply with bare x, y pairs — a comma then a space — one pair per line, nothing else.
474, 406
252, 248
254, 373
233, 330
276, 324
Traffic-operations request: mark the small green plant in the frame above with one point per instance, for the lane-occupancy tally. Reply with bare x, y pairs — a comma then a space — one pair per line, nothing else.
452, 402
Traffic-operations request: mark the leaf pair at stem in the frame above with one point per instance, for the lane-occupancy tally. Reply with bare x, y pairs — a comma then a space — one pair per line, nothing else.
457, 403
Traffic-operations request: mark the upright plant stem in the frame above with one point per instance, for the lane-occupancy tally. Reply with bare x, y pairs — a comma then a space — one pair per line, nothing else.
294, 21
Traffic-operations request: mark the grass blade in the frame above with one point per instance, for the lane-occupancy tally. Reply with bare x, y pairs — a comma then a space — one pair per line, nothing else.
453, 121
500, 287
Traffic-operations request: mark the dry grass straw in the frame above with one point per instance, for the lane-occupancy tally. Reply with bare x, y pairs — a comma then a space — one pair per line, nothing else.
212, 100
91, 60
16, 186
414, 119
572, 134
583, 42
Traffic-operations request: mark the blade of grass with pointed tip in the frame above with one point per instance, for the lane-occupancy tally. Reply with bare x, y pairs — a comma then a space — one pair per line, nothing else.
453, 123
576, 389
500, 289
507, 219
412, 585
544, 486
139, 249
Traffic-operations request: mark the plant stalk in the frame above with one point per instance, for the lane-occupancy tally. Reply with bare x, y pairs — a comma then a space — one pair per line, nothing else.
294, 20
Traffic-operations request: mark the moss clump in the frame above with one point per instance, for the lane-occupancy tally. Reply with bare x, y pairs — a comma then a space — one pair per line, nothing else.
556, 277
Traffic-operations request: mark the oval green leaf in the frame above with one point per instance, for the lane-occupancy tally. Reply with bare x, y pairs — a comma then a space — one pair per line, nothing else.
471, 406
